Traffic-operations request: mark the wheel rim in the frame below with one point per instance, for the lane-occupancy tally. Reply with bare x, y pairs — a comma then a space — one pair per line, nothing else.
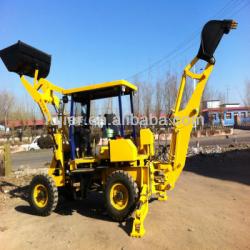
40, 195
119, 196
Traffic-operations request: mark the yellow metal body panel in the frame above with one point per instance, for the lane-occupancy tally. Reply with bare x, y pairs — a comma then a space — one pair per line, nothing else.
57, 163
100, 86
146, 137
58, 179
147, 141
122, 150
86, 160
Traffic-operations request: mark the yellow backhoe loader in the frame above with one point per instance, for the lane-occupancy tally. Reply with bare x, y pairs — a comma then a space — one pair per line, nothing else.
124, 168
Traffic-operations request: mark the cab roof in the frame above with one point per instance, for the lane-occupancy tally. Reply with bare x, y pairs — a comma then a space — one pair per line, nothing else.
101, 90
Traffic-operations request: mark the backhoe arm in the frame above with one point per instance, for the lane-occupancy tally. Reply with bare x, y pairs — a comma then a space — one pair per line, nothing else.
165, 174
184, 118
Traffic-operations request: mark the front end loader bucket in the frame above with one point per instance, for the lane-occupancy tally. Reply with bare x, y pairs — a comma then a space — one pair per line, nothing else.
23, 59
211, 35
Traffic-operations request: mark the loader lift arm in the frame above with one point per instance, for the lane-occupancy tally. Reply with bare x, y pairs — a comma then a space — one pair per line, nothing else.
47, 96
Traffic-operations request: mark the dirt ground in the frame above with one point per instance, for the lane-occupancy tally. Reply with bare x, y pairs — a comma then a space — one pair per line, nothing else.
208, 209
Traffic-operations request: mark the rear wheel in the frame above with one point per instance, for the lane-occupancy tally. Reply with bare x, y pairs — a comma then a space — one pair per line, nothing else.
121, 195
43, 195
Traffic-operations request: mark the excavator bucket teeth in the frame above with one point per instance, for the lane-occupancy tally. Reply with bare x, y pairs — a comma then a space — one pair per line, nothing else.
211, 35
23, 59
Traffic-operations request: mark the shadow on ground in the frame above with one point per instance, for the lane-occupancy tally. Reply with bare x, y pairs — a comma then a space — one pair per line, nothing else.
232, 165
92, 207
15, 191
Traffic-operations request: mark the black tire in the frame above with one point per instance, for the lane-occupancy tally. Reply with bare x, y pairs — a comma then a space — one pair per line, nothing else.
123, 178
45, 142
48, 194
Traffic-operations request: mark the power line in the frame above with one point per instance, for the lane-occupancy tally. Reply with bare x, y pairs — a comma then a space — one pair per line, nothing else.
193, 43
240, 9
229, 6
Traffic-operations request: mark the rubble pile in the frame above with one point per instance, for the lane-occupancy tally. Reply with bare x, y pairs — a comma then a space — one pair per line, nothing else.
216, 149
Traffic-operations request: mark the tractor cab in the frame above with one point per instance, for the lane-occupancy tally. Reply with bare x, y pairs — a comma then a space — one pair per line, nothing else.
83, 133
120, 137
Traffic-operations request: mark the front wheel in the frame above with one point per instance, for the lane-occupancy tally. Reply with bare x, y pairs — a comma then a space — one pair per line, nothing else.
43, 195
121, 195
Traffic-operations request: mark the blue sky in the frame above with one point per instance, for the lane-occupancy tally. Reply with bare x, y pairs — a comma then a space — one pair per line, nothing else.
96, 41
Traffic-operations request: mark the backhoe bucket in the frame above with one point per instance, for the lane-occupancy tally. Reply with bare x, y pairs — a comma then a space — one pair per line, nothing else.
24, 60
211, 35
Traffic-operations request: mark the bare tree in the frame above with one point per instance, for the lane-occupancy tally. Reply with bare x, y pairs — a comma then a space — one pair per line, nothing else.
221, 96
147, 92
159, 99
6, 105
137, 97
246, 98
188, 91
170, 89
14, 108
108, 108
212, 94
94, 108
209, 93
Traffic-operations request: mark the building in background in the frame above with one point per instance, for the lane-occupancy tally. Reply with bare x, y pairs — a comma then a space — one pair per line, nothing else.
211, 104
23, 124
227, 114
